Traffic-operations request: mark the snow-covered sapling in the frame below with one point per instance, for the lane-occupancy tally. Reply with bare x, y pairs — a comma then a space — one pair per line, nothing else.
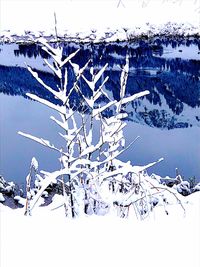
29, 192
94, 181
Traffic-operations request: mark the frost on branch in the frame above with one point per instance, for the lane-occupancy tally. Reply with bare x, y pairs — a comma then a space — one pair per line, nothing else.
93, 180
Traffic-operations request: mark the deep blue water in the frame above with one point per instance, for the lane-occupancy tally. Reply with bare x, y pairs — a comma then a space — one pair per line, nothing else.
168, 120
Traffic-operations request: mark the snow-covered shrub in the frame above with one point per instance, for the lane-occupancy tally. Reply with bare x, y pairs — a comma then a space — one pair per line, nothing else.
7, 188
183, 188
196, 188
193, 182
20, 200
9, 192
93, 180
31, 192
2, 199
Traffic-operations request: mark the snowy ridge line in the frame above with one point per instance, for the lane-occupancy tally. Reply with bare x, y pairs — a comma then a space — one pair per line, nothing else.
121, 34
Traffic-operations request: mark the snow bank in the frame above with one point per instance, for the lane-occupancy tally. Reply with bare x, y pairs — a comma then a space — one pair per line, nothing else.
48, 239
97, 20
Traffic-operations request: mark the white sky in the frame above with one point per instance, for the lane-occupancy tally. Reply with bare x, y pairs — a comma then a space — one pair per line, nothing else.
77, 15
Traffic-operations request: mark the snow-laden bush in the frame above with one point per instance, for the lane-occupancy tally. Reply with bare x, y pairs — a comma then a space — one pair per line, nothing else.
196, 188
2, 199
6, 188
94, 181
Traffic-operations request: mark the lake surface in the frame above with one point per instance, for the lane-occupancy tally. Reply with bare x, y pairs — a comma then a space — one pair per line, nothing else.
167, 120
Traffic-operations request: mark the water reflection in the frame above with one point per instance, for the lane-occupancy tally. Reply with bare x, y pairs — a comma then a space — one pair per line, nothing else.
174, 83
168, 68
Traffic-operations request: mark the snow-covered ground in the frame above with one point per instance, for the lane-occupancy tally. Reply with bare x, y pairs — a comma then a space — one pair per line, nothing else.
98, 20
49, 239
